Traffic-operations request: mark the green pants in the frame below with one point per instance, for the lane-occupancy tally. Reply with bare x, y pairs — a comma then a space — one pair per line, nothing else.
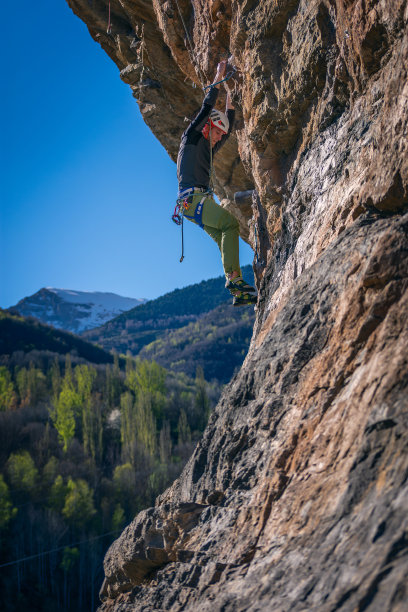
222, 227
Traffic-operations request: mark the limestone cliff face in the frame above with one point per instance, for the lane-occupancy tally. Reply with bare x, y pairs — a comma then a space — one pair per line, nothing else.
296, 498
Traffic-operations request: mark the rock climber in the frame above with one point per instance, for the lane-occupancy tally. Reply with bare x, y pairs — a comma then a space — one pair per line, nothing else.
203, 138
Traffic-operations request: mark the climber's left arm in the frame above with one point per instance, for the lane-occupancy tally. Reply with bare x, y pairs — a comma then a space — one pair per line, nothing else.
230, 112
228, 104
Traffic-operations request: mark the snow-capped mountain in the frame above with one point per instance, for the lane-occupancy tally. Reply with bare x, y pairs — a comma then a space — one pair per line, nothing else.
74, 311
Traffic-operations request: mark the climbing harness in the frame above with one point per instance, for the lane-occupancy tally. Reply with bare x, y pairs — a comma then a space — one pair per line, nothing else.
182, 205
198, 213
109, 29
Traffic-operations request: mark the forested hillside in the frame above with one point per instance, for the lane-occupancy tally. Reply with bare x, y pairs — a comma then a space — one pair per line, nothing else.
217, 341
192, 326
18, 334
83, 448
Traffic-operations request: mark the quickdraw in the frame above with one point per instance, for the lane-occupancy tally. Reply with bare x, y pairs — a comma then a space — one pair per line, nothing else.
179, 209
178, 218
229, 75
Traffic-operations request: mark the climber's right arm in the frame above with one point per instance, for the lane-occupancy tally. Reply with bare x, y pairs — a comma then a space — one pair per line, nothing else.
208, 104
210, 99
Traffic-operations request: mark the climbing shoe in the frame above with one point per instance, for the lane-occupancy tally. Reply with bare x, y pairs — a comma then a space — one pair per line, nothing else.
238, 284
244, 299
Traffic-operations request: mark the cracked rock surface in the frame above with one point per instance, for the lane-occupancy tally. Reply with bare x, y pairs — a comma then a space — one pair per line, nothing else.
296, 497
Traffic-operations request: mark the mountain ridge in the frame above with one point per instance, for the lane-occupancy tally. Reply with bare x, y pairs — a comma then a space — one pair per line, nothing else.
72, 310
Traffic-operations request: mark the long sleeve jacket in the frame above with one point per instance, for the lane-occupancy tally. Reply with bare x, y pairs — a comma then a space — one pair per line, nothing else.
193, 161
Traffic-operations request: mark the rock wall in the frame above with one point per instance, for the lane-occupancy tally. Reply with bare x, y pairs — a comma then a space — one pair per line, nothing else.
296, 497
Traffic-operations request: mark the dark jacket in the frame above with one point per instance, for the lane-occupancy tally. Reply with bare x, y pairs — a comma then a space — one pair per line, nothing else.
193, 161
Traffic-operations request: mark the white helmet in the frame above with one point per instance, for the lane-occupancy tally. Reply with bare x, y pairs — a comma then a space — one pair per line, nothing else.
219, 120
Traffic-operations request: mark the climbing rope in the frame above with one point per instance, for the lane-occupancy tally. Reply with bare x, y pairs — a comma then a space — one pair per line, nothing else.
142, 48
182, 239
211, 159
178, 218
259, 261
109, 28
150, 67
256, 243
193, 58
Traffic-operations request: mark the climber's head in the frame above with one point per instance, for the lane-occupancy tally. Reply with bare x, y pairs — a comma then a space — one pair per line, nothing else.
219, 126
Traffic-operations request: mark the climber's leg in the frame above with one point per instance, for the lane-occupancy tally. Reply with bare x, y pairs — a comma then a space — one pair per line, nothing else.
224, 229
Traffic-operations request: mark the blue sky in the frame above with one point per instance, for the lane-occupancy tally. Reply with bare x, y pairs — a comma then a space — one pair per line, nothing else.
87, 191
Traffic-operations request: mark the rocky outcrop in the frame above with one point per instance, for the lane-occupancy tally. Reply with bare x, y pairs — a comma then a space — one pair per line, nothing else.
296, 497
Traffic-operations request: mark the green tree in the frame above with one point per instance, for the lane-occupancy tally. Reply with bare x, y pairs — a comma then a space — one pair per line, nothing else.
68, 376
108, 385
8, 398
131, 381
22, 472
79, 505
151, 376
7, 512
91, 410
130, 364
85, 378
36, 383
201, 401
145, 424
22, 386
148, 377
57, 494
31, 384
118, 518
124, 480
92, 428
184, 431
63, 414
127, 426
50, 471
124, 477
70, 557
113, 383
55, 379
116, 367
165, 443
157, 479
